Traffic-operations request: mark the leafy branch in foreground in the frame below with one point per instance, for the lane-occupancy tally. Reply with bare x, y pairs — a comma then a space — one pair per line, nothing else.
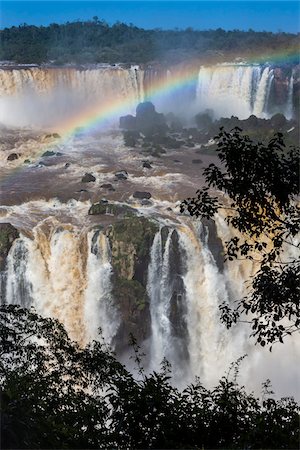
57, 395
261, 185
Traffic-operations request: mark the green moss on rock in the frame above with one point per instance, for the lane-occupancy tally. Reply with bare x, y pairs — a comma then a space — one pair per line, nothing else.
112, 209
8, 234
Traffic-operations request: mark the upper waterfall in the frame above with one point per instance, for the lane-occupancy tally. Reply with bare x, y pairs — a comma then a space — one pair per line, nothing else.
46, 96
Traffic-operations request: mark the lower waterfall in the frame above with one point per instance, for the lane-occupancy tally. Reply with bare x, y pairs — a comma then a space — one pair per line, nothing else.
68, 274
99, 310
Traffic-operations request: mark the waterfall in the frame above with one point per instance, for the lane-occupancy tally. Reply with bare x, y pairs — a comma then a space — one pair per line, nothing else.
160, 294
18, 287
263, 92
233, 89
66, 275
289, 106
47, 96
99, 309
210, 345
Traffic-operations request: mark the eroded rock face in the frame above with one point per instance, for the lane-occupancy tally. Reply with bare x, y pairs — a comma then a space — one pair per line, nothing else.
131, 239
8, 234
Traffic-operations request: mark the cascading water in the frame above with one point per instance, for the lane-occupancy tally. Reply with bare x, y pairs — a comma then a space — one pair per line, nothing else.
233, 89
47, 96
263, 91
18, 288
99, 309
289, 106
159, 290
66, 276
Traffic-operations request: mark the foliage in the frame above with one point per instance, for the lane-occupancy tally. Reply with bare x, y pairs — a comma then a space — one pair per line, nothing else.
95, 41
261, 184
57, 395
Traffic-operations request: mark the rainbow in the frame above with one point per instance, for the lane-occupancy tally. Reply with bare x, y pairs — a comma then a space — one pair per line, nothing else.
180, 78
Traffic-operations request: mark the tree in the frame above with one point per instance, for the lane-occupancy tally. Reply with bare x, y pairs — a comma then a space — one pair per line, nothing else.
261, 184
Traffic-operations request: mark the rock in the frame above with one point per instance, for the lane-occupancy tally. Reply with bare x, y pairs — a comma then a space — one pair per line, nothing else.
88, 178
142, 195
67, 165
130, 242
147, 165
51, 153
146, 202
190, 144
12, 157
278, 121
197, 161
27, 161
106, 186
147, 120
104, 207
204, 120
121, 175
8, 234
128, 122
52, 136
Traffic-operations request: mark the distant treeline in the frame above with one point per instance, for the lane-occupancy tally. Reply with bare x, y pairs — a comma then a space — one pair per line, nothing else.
95, 41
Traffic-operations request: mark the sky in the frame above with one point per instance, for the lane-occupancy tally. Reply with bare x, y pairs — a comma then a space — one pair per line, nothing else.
257, 15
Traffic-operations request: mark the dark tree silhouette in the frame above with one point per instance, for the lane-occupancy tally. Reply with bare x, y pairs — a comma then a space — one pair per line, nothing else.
57, 395
261, 184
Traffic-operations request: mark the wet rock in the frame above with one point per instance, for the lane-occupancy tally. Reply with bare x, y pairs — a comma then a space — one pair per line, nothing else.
49, 153
147, 165
121, 175
104, 207
190, 144
146, 202
128, 122
13, 157
52, 136
142, 195
88, 178
130, 241
8, 234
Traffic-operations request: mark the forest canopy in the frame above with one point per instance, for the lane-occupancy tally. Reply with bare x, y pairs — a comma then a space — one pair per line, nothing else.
94, 41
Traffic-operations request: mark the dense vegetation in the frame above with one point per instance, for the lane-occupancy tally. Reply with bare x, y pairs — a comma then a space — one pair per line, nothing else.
95, 41
57, 395
261, 186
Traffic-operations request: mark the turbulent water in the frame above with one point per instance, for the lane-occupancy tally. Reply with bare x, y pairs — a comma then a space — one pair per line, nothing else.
62, 263
47, 96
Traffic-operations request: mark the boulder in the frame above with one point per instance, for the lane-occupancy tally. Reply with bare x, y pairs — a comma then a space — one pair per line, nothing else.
106, 186
147, 165
51, 153
128, 122
88, 178
121, 175
12, 157
142, 195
